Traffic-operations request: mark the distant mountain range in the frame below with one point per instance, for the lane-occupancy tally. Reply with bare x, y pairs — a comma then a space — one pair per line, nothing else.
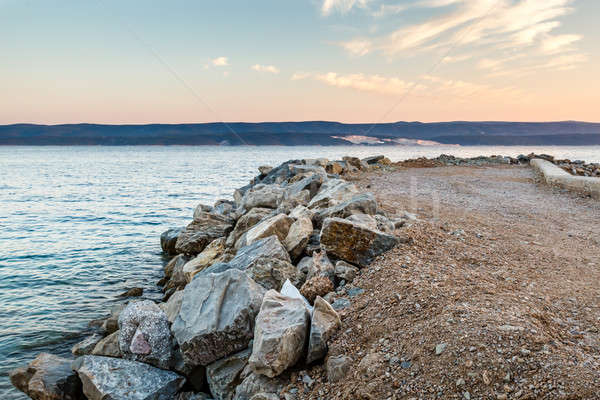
306, 133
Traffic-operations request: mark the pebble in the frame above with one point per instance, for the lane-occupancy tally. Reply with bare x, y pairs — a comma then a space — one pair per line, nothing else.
439, 349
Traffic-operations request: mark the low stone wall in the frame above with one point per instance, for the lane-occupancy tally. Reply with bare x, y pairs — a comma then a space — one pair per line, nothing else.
556, 176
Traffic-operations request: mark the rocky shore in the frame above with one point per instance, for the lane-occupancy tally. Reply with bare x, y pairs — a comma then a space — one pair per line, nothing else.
249, 294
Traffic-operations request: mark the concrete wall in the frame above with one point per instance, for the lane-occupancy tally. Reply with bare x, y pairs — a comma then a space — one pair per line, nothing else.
556, 176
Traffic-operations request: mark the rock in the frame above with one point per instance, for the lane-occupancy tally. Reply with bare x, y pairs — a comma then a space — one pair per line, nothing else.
304, 265
178, 279
212, 252
354, 243
177, 261
439, 348
371, 364
384, 224
144, 334
324, 322
278, 225
311, 183
271, 273
314, 243
107, 378
172, 306
298, 236
301, 211
133, 292
201, 209
192, 396
333, 192
354, 161
168, 239
205, 228
86, 346
224, 207
316, 286
292, 201
279, 335
265, 169
337, 368
373, 159
340, 304
245, 222
48, 377
224, 375
320, 266
334, 167
247, 256
266, 196
364, 220
254, 384
345, 271
363, 203
109, 346
289, 290
111, 324
217, 315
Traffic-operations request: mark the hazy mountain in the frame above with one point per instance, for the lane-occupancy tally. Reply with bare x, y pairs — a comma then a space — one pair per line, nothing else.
302, 133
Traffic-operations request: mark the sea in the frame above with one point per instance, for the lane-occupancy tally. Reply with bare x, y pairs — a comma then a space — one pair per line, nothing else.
80, 225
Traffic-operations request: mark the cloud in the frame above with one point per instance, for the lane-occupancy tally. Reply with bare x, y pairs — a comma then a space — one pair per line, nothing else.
342, 6
265, 68
365, 83
555, 44
357, 47
297, 76
220, 62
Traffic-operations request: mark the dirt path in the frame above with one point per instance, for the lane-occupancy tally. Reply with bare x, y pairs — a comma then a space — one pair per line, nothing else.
497, 296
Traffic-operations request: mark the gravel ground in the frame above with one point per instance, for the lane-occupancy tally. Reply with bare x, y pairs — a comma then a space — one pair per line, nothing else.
497, 295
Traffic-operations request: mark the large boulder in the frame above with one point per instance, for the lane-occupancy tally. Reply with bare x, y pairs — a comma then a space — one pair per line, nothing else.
111, 324
205, 228
333, 192
86, 345
373, 159
311, 183
256, 384
144, 334
171, 307
209, 255
48, 377
364, 220
316, 286
245, 222
280, 334
298, 236
109, 346
363, 203
324, 322
320, 266
217, 315
267, 196
224, 375
168, 239
354, 243
278, 225
177, 279
106, 378
271, 273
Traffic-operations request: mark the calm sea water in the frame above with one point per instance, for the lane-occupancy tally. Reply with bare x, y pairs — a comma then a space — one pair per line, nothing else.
79, 225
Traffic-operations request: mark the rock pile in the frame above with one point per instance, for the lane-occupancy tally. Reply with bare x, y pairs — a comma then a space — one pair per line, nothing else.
577, 167
245, 298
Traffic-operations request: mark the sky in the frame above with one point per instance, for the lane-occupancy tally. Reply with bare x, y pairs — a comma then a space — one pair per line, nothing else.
184, 61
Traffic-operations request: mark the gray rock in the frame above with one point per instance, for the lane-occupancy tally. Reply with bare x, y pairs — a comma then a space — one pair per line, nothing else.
301, 211
217, 315
109, 346
267, 196
133, 292
144, 334
254, 384
178, 279
224, 375
201, 209
111, 324
345, 271
168, 239
177, 261
224, 207
48, 377
279, 335
373, 159
364, 220
172, 306
298, 236
337, 368
304, 265
324, 322
311, 183
265, 169
245, 222
205, 228
192, 396
278, 225
363, 203
86, 346
106, 378
320, 266
340, 304
384, 224
206, 258
354, 243
333, 192
271, 273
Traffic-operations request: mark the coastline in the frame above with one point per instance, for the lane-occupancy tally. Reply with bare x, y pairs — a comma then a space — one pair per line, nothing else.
207, 237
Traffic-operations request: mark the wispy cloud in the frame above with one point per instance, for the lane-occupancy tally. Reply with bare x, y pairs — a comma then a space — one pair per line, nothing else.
265, 68
357, 47
220, 62
365, 83
297, 76
342, 6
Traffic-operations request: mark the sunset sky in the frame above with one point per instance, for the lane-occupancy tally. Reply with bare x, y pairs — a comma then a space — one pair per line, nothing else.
109, 61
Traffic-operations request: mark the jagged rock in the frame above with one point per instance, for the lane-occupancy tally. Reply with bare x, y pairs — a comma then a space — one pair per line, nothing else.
179, 259
320, 266
314, 243
212, 252
133, 292
109, 346
324, 322
48, 377
298, 236
171, 307
288, 289
111, 324
345, 271
144, 334
200, 210
224, 207
278, 225
332, 192
279, 335
364, 220
245, 222
247, 256
355, 162
373, 159
290, 202
168, 239
311, 183
354, 243
265, 169
224, 375
254, 384
300, 212
267, 196
334, 167
304, 264
175, 267
205, 228
271, 273
316, 286
384, 224
195, 375
363, 203
337, 368
86, 346
265, 396
321, 162
217, 315
106, 378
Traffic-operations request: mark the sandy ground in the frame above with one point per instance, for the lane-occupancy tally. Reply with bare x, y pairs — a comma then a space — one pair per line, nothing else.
501, 278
